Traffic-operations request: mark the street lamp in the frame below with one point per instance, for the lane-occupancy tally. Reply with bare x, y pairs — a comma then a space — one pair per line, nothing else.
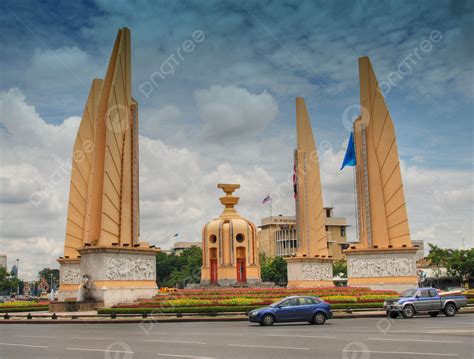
17, 267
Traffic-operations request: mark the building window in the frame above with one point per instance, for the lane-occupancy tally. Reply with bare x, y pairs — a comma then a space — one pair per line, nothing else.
327, 228
328, 212
343, 231
240, 237
212, 238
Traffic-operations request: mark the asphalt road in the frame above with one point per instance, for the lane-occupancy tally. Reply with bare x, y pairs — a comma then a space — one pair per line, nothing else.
363, 338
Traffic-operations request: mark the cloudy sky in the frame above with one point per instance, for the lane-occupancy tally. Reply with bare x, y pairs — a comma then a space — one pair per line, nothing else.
216, 83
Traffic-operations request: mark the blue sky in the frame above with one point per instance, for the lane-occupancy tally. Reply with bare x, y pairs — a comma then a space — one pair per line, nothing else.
227, 112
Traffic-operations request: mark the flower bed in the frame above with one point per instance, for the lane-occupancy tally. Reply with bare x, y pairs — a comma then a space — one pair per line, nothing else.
22, 304
249, 298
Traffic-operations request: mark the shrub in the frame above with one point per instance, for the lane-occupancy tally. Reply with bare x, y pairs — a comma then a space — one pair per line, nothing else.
219, 309
24, 309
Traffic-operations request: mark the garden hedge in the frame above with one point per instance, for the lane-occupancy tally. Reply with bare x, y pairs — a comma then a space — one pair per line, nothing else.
218, 309
23, 309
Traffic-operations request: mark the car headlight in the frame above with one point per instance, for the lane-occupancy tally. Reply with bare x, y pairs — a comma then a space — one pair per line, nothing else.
254, 312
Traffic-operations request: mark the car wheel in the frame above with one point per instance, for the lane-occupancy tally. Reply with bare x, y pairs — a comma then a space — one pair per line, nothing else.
408, 311
433, 314
268, 320
450, 310
393, 315
319, 318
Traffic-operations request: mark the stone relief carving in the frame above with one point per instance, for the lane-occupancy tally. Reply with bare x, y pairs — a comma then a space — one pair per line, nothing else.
381, 266
133, 269
70, 275
315, 272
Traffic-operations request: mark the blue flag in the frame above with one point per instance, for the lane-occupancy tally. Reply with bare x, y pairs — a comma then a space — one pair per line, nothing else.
350, 157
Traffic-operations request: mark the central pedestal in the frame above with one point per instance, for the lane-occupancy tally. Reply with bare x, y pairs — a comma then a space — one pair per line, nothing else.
309, 272
393, 269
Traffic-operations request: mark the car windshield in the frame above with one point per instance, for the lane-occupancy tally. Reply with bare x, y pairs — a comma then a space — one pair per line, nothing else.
409, 293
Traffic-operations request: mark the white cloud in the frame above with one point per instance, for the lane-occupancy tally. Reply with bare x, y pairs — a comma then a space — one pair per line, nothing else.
152, 121
230, 112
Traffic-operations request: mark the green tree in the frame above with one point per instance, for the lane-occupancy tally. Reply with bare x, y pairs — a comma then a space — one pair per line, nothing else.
273, 270
48, 273
8, 283
339, 268
459, 263
179, 269
437, 257
165, 265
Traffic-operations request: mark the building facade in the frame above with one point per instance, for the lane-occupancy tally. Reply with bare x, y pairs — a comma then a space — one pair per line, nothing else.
277, 236
3, 260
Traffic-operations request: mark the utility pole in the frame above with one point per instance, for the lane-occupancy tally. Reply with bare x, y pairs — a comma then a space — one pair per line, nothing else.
17, 268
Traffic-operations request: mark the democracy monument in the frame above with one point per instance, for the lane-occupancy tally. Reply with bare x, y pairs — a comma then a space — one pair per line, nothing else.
105, 262
384, 256
102, 252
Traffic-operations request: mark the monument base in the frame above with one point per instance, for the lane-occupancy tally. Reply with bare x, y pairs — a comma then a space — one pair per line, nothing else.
69, 278
390, 268
111, 275
119, 275
309, 272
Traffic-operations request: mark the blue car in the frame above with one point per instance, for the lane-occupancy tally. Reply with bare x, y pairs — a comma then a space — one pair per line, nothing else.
293, 309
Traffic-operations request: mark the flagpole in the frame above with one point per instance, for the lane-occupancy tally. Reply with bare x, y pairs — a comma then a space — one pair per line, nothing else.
271, 207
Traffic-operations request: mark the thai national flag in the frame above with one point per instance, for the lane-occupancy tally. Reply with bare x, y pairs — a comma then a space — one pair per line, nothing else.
267, 199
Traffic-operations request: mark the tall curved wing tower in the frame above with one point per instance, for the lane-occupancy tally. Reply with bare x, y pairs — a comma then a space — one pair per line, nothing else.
381, 201
103, 199
81, 171
384, 257
102, 231
310, 219
311, 266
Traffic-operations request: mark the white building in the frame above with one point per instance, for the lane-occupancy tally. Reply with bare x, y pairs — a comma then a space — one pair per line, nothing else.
3, 260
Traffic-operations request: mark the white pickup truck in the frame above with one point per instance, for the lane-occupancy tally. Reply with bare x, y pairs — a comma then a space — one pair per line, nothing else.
417, 300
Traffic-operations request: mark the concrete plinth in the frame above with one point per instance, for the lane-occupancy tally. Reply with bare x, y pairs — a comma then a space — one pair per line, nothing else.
393, 269
119, 275
309, 272
69, 278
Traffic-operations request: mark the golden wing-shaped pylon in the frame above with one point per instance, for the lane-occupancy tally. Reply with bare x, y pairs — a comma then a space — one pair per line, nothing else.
381, 200
81, 173
312, 238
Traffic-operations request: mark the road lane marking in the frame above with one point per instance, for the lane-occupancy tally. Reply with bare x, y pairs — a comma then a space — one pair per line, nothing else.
101, 350
172, 341
34, 336
25, 345
182, 356
417, 340
197, 334
401, 353
83, 338
264, 346
299, 336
